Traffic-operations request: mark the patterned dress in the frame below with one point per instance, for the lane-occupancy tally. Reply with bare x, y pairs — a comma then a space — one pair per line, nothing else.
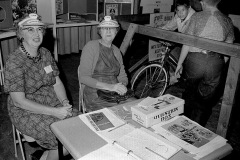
36, 81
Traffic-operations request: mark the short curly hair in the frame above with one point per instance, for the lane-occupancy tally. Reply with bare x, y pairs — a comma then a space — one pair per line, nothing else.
185, 3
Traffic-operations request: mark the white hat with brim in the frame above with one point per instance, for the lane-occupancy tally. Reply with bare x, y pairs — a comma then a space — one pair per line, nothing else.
108, 22
31, 20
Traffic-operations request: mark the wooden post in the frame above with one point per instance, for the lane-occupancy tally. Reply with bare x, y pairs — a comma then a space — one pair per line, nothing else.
128, 37
136, 5
228, 96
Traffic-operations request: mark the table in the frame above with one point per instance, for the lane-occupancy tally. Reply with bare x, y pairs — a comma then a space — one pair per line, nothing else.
73, 134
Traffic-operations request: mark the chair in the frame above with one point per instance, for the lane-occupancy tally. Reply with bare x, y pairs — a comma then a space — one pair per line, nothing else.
82, 106
19, 140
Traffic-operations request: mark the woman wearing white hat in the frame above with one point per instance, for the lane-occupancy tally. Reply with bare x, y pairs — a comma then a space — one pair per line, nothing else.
101, 66
37, 95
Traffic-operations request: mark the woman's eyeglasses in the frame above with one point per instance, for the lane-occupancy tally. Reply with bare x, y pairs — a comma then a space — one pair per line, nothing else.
108, 28
32, 30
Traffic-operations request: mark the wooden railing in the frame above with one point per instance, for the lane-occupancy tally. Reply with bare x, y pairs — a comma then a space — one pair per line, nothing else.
232, 50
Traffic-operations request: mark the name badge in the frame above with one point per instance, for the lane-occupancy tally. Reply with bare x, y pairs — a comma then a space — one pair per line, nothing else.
48, 69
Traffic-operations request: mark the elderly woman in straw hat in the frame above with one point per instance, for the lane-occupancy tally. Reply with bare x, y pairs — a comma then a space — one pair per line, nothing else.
37, 95
101, 67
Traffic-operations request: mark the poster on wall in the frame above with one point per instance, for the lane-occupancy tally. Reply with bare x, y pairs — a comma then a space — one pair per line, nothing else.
160, 19
112, 10
22, 7
59, 7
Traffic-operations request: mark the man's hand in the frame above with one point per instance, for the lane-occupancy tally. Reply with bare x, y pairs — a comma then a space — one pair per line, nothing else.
178, 70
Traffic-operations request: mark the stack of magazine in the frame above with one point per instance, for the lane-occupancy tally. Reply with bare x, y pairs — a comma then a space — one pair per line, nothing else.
124, 141
189, 135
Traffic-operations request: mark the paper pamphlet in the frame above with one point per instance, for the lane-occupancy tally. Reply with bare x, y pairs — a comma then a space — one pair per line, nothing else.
106, 124
123, 113
101, 120
140, 144
190, 136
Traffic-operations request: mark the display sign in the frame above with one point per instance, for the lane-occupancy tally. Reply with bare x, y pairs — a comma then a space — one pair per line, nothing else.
160, 19
155, 50
118, 1
156, 2
112, 9
151, 8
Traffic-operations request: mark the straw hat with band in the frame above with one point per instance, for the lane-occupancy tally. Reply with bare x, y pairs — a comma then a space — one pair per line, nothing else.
31, 20
108, 22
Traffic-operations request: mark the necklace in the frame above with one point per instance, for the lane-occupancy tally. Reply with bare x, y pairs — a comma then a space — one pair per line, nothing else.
35, 59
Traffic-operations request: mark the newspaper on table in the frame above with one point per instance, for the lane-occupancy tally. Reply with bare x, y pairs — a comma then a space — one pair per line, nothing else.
190, 136
106, 124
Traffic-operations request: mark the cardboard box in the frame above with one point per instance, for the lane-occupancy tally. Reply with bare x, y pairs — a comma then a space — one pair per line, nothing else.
151, 111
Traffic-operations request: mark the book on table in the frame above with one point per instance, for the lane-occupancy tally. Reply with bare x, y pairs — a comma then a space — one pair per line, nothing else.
124, 141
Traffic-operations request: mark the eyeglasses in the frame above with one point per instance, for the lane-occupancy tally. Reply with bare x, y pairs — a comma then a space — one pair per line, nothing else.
108, 28
31, 30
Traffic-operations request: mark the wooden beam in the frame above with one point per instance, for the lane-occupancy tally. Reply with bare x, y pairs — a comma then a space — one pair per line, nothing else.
228, 96
141, 61
136, 6
128, 38
216, 46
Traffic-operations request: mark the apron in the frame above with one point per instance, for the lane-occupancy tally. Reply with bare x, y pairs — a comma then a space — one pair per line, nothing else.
107, 69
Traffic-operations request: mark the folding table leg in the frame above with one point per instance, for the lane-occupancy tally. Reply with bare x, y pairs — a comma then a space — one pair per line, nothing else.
60, 150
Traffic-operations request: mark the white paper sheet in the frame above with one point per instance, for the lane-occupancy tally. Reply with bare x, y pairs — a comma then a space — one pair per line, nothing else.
108, 152
145, 145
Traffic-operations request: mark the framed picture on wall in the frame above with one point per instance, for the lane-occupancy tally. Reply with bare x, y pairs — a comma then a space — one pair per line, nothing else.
59, 7
112, 9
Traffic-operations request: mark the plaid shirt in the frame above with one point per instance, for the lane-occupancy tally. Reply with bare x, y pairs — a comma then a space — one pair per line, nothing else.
210, 25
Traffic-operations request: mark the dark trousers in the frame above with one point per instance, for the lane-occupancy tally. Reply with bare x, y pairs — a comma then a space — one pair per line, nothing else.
203, 74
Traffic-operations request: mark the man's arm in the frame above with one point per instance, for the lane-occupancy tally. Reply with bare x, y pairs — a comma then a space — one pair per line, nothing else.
183, 55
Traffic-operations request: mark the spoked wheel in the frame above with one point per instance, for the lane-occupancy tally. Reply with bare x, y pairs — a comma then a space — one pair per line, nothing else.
150, 80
